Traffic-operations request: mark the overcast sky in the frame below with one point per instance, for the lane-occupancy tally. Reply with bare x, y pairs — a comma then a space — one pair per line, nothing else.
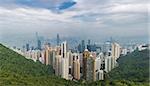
124, 20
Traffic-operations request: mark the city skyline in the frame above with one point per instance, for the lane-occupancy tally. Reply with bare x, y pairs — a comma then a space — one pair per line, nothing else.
90, 64
74, 42
125, 20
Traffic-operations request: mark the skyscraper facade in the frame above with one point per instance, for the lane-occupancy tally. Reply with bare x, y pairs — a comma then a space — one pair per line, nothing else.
91, 66
86, 55
58, 40
64, 60
58, 65
64, 49
64, 68
82, 46
27, 47
116, 50
76, 67
115, 53
39, 44
108, 63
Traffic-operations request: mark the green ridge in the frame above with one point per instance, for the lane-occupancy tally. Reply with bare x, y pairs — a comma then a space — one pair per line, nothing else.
132, 67
15, 70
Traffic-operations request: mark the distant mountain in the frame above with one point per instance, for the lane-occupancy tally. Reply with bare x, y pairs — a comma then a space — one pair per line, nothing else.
15, 70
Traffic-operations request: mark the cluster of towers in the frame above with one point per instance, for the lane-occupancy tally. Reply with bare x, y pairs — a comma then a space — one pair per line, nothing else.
86, 63
89, 62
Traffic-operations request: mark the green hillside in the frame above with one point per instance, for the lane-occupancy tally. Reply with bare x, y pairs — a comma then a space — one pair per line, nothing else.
132, 67
15, 70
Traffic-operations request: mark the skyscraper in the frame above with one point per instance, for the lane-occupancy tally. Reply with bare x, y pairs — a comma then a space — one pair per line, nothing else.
108, 63
27, 47
39, 44
47, 52
64, 60
76, 67
46, 57
99, 67
64, 68
99, 75
64, 49
82, 46
91, 66
86, 55
58, 65
116, 50
52, 57
70, 56
79, 48
58, 39
89, 42
115, 53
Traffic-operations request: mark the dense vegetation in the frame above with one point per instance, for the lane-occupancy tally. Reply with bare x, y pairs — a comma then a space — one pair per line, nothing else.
16, 70
132, 67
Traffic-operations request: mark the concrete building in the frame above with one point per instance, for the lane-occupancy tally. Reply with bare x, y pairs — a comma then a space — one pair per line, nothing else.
99, 75
108, 63
64, 61
64, 68
76, 66
58, 65
115, 53
70, 56
64, 49
99, 61
86, 54
124, 51
91, 67
116, 50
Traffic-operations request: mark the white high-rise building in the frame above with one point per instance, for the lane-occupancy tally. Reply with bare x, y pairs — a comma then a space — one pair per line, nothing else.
124, 51
116, 50
64, 49
64, 61
64, 68
108, 63
99, 61
99, 75
58, 65
115, 53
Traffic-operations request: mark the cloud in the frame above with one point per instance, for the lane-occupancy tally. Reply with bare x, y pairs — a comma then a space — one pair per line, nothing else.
127, 8
54, 5
93, 19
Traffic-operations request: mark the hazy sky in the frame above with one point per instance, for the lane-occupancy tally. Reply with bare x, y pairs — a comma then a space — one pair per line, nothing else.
124, 20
